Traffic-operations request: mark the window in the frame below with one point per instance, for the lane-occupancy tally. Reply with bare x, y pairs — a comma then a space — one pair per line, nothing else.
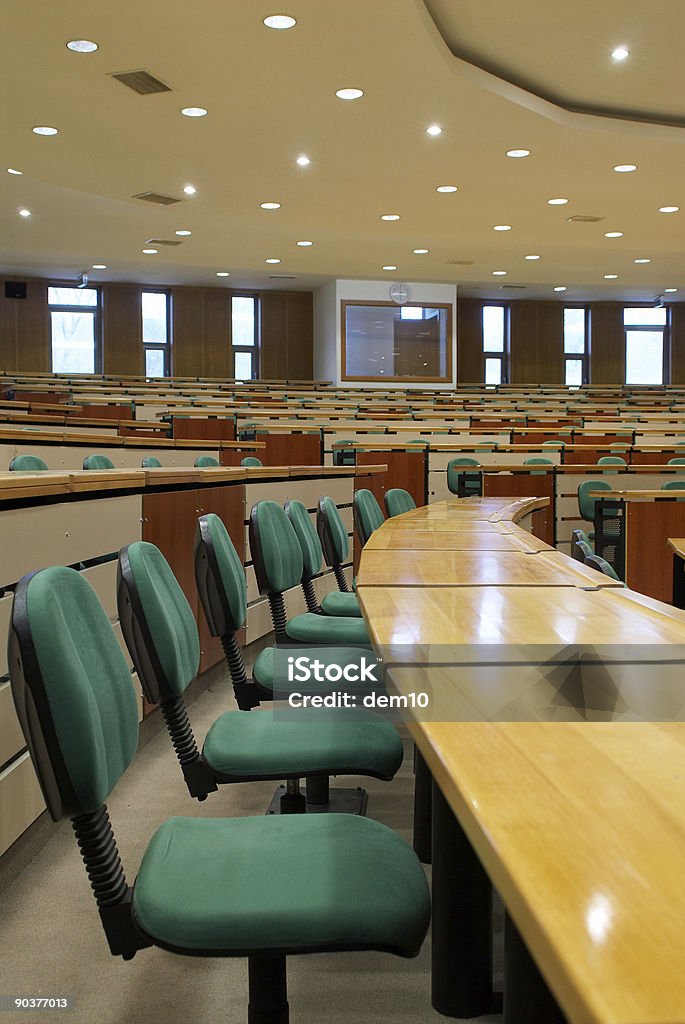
385, 341
495, 344
155, 311
646, 330
245, 336
74, 329
575, 346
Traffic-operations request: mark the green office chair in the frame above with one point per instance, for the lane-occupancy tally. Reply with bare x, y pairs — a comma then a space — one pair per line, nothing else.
674, 485
417, 440
161, 635
577, 537
586, 504
205, 461
250, 460
256, 887
468, 485
278, 565
553, 444
367, 514
537, 461
676, 462
584, 551
344, 456
151, 462
398, 501
27, 464
98, 462
601, 564
335, 603
335, 541
611, 460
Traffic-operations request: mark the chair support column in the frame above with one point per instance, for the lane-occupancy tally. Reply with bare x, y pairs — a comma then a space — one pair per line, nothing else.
268, 990
341, 579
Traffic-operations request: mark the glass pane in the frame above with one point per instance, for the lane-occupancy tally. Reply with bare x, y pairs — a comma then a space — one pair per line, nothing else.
493, 328
154, 318
381, 342
644, 357
574, 331
644, 316
243, 365
493, 371
411, 313
73, 342
243, 308
574, 372
72, 296
154, 362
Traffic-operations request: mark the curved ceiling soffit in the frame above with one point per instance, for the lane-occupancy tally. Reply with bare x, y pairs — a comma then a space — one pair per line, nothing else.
562, 112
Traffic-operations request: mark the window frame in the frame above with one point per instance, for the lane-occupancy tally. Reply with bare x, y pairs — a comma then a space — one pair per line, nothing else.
502, 356
254, 350
664, 330
95, 311
584, 357
157, 346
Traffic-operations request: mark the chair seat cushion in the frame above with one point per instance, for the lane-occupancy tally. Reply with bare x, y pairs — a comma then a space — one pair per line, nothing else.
273, 660
294, 882
276, 743
327, 629
339, 603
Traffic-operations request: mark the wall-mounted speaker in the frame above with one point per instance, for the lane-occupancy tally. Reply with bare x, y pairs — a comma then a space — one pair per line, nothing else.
15, 289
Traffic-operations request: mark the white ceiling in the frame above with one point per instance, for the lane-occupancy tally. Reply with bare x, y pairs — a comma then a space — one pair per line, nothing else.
271, 96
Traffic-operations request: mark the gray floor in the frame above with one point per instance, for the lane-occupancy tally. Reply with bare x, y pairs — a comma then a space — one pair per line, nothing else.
52, 944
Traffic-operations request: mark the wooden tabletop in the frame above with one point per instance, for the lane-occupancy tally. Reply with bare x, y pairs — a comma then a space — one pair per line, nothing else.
638, 495
678, 545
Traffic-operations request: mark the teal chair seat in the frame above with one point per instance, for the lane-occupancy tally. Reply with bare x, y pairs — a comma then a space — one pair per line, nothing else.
27, 464
339, 603
327, 629
250, 460
218, 885
272, 660
97, 462
151, 462
205, 461
611, 460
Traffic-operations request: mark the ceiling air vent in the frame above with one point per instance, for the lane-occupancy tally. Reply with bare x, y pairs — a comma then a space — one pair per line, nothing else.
583, 218
163, 241
460, 263
514, 287
157, 198
283, 277
141, 82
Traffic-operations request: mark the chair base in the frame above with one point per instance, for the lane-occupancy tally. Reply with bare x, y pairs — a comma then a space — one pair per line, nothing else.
341, 801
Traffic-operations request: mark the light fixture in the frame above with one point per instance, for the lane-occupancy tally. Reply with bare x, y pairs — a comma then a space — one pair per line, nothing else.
446, 188
280, 21
389, 267
670, 290
518, 154
150, 252
99, 266
557, 202
610, 277
82, 46
390, 216
501, 227
642, 261
662, 209
620, 53
625, 168
270, 206
272, 259
303, 161
184, 232
420, 252
43, 129
222, 273
24, 213
190, 190
349, 94
193, 111
13, 170
433, 129
560, 288
304, 243
499, 273
613, 234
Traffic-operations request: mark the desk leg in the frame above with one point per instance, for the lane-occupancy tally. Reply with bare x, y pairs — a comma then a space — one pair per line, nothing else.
423, 799
462, 920
678, 582
526, 996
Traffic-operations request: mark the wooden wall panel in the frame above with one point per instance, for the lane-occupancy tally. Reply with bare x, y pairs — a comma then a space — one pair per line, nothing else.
216, 334
187, 330
470, 366
122, 329
274, 353
607, 352
550, 342
300, 335
523, 342
24, 329
678, 343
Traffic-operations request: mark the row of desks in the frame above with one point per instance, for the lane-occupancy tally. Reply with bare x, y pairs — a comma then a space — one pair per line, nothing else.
538, 675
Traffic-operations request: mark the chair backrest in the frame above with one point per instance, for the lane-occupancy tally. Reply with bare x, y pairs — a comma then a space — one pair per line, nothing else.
397, 501
204, 461
344, 456
417, 440
611, 460
305, 531
332, 533
275, 549
157, 622
453, 471
368, 515
98, 462
676, 462
72, 690
601, 564
553, 444
250, 460
151, 462
27, 464
674, 485
219, 576
586, 504
576, 537
584, 550
535, 460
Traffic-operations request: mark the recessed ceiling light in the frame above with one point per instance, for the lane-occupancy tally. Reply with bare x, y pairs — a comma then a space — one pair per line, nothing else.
24, 213
99, 266
625, 168
270, 206
150, 252
222, 273
613, 234
390, 216
557, 202
433, 129
531, 257
184, 232
642, 261
421, 252
194, 111
446, 188
560, 288
610, 277
304, 242
43, 129
280, 21
190, 190
13, 170
620, 53
82, 46
272, 259
670, 289
499, 273
303, 161
662, 209
502, 227
389, 267
518, 154
349, 94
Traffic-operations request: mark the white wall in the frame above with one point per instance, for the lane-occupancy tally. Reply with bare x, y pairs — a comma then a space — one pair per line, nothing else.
327, 326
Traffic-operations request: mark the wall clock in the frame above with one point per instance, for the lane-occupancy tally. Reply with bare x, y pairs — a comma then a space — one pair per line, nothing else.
399, 293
